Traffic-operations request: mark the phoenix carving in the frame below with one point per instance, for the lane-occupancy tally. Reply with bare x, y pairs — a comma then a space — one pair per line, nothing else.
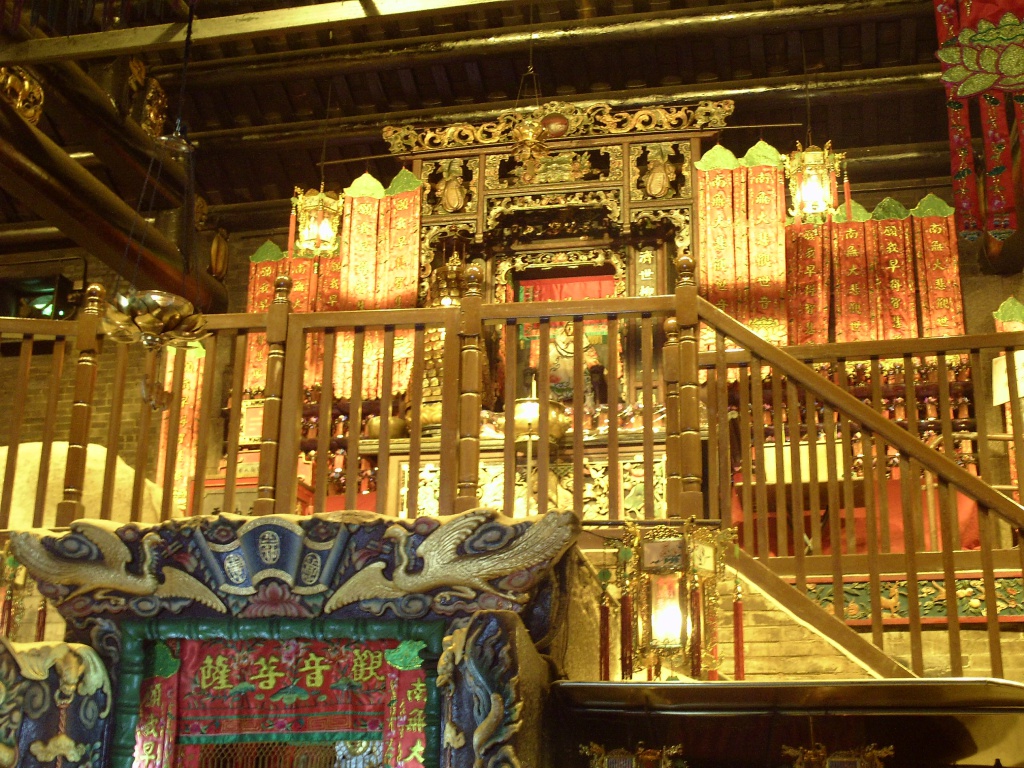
463, 574
112, 572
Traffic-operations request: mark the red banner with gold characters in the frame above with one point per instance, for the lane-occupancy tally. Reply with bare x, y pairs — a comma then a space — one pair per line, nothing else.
896, 280
938, 273
209, 692
264, 267
719, 280
808, 264
856, 300
742, 239
766, 242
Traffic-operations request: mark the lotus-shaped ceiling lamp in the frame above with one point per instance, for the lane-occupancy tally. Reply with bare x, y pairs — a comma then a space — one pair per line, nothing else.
156, 318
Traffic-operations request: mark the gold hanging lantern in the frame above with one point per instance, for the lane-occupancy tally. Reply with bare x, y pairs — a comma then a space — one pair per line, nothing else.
671, 575
813, 174
316, 219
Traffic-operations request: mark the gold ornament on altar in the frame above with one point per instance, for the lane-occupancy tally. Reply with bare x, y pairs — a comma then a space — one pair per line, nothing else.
316, 218
641, 757
813, 174
817, 756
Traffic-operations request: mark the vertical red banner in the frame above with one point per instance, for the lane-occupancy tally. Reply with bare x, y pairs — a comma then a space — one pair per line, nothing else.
808, 266
765, 219
938, 270
896, 279
719, 273
856, 299
264, 267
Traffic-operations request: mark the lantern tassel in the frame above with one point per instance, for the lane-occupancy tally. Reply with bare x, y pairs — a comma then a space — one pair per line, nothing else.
847, 197
696, 618
604, 632
291, 233
739, 672
626, 634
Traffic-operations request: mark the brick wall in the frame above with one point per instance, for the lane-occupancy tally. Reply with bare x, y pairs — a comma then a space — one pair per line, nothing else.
777, 646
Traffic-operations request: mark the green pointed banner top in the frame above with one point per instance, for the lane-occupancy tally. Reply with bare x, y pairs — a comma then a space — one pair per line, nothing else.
267, 252
718, 158
931, 205
1010, 311
762, 153
889, 209
365, 186
858, 212
404, 181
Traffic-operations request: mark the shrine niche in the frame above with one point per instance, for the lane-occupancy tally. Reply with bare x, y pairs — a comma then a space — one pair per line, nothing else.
560, 203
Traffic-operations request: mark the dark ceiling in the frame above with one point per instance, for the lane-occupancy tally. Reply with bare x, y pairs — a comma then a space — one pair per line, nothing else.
270, 90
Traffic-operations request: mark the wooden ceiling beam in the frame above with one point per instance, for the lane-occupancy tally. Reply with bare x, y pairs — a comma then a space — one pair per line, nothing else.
222, 29
859, 84
728, 21
44, 178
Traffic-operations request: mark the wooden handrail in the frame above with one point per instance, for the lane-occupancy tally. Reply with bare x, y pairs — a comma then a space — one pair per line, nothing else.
906, 443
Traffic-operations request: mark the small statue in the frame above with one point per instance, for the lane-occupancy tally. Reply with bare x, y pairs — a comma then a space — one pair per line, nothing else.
660, 172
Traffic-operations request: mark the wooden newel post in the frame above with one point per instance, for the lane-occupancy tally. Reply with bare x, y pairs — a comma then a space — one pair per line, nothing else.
673, 438
277, 333
470, 384
90, 344
691, 460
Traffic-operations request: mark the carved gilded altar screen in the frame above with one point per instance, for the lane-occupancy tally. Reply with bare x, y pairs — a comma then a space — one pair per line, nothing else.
562, 190
351, 693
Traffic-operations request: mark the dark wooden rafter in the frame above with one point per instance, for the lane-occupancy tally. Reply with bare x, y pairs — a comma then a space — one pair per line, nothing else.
40, 174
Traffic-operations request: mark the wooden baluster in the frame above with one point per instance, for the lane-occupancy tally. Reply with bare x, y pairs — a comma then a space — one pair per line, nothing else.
578, 404
647, 414
746, 457
238, 362
277, 334
17, 416
471, 383
49, 426
691, 461
90, 344
114, 430
511, 338
173, 430
673, 440
761, 497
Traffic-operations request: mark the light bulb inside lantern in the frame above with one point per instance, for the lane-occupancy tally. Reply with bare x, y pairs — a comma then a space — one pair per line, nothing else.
814, 193
326, 230
666, 613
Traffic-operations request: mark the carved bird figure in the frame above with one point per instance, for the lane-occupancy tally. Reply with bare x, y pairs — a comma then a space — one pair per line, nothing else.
463, 574
112, 572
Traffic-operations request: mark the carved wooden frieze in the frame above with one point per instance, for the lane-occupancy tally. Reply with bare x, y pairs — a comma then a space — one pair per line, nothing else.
591, 257
607, 200
600, 164
556, 120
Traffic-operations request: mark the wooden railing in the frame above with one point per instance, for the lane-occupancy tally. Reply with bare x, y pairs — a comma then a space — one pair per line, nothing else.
890, 448
771, 407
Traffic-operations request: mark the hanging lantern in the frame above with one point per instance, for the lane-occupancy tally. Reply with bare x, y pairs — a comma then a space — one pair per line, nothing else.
316, 218
813, 176
671, 576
